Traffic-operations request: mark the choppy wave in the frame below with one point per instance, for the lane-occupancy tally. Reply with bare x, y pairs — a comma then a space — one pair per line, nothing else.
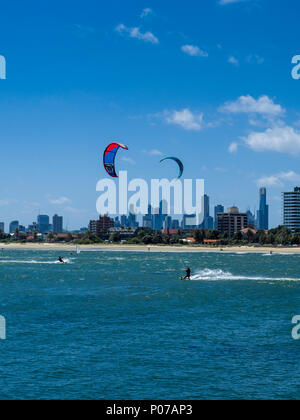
286, 254
66, 261
209, 274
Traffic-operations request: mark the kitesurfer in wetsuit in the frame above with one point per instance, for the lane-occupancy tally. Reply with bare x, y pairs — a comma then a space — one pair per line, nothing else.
60, 260
188, 274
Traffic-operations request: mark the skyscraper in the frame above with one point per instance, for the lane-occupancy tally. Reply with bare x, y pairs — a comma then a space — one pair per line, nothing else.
1, 227
148, 218
132, 222
168, 223
291, 209
251, 218
117, 222
13, 226
218, 209
175, 224
32, 228
57, 224
124, 220
43, 222
160, 215
207, 219
263, 212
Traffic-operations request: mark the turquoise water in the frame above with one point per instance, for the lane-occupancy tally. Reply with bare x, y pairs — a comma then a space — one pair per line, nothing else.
121, 325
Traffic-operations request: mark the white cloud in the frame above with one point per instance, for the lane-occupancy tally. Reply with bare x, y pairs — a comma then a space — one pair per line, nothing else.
277, 139
194, 51
121, 28
128, 160
136, 33
146, 12
6, 202
278, 180
233, 60
249, 105
60, 201
255, 58
73, 210
233, 148
225, 2
153, 152
186, 119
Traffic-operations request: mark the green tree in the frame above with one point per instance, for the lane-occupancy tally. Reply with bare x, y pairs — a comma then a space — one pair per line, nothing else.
296, 239
50, 237
199, 235
115, 237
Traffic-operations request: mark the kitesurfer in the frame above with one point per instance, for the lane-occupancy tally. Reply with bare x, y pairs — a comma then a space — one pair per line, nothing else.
188, 274
61, 260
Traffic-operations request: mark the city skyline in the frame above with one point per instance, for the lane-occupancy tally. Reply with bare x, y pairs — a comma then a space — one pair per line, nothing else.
209, 222
231, 221
157, 219
161, 82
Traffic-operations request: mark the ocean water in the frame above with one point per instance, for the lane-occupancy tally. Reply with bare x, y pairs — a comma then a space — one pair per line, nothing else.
121, 325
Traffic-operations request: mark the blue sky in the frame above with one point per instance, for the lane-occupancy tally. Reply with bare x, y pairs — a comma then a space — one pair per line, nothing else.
209, 82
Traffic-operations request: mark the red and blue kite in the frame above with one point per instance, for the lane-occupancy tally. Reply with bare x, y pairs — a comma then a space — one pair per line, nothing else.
110, 156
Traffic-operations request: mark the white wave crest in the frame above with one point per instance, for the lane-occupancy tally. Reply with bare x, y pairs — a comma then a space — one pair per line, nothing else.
213, 275
66, 261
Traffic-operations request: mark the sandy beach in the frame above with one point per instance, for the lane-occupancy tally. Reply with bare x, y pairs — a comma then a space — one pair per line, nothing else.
152, 248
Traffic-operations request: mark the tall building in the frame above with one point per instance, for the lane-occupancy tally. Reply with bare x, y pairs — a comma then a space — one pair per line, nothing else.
160, 215
124, 221
168, 222
43, 222
175, 224
232, 222
117, 222
132, 222
218, 209
251, 218
148, 218
1, 227
157, 225
57, 222
101, 227
291, 209
32, 228
263, 212
13, 226
208, 221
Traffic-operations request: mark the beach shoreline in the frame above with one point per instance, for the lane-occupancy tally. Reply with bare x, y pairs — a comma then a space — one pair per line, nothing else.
150, 248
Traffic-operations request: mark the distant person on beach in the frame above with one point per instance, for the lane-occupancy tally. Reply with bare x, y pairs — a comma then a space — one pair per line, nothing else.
188, 274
